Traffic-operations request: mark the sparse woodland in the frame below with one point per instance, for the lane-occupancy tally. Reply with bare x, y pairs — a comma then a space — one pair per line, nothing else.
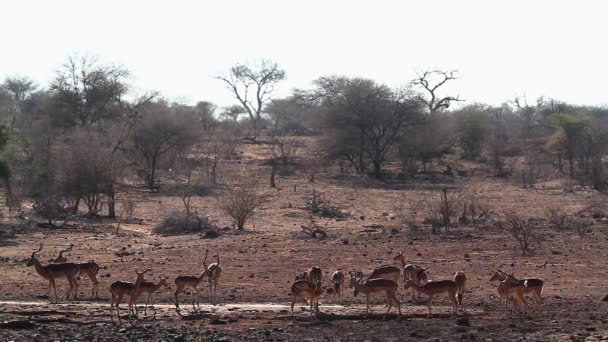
71, 146
344, 173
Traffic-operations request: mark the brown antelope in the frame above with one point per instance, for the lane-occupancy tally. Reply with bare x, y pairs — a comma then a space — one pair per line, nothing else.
214, 271
415, 273
313, 274
120, 288
461, 280
533, 286
304, 289
376, 285
434, 288
54, 271
386, 272
60, 259
337, 278
511, 287
149, 288
182, 282
89, 268
300, 276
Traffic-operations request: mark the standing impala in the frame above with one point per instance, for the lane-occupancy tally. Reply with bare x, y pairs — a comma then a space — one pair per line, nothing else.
415, 273
377, 285
532, 285
338, 280
181, 282
305, 289
434, 288
54, 271
119, 289
214, 271
461, 280
148, 288
89, 268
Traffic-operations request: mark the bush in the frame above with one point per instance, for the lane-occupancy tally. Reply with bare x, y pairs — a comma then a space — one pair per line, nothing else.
475, 210
240, 201
177, 223
316, 203
557, 218
52, 209
441, 211
524, 232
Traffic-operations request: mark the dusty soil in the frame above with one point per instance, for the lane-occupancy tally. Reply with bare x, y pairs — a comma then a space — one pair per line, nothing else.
257, 265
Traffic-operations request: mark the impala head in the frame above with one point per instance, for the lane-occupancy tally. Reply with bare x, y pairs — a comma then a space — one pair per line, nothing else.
399, 257
163, 282
355, 277
511, 278
300, 276
31, 261
140, 275
408, 284
499, 276
423, 276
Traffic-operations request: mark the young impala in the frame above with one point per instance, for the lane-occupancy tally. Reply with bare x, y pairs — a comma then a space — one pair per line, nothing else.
119, 289
533, 286
415, 273
148, 288
53, 271
513, 288
434, 288
461, 280
89, 268
304, 289
181, 282
337, 278
376, 285
214, 271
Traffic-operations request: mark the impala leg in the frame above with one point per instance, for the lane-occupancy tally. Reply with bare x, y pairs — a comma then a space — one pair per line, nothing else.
147, 300
398, 304
390, 305
176, 295
54, 289
75, 281
429, 305
49, 292
95, 286
112, 309
293, 301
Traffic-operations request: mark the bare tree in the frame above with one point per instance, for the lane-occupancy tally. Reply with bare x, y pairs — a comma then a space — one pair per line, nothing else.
429, 82
253, 85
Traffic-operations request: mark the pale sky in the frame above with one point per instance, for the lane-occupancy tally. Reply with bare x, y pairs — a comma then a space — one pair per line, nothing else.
501, 48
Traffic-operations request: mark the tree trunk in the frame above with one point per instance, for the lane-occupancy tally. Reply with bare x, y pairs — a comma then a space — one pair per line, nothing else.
152, 178
76, 206
377, 169
112, 203
273, 173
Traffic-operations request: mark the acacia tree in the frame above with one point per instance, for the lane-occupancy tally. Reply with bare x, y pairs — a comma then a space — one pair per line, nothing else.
252, 86
365, 116
428, 83
86, 92
159, 131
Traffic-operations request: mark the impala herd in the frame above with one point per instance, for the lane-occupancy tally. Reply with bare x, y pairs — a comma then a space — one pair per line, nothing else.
307, 285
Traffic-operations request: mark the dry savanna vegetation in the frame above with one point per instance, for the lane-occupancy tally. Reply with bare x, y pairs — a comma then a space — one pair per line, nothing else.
213, 224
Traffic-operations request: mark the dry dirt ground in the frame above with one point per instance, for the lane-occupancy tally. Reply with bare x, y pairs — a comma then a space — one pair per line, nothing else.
257, 263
